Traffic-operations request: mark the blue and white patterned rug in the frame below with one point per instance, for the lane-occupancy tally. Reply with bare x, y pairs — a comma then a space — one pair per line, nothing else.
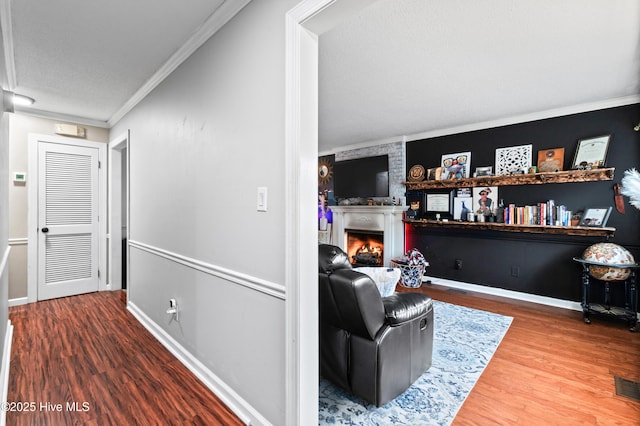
464, 341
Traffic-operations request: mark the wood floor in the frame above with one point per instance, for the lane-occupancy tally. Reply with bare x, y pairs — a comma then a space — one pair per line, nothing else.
550, 369
89, 350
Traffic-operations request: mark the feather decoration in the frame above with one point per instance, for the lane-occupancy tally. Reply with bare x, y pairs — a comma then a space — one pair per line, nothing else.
631, 187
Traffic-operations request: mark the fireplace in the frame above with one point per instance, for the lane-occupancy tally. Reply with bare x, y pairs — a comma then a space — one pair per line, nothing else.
365, 248
381, 226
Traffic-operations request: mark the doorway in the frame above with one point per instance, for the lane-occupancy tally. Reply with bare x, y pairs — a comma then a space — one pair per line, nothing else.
66, 200
118, 211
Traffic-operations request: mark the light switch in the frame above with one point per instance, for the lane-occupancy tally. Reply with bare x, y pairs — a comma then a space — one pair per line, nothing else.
262, 198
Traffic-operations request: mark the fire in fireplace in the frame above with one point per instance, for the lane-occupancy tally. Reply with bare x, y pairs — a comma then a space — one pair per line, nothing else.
365, 248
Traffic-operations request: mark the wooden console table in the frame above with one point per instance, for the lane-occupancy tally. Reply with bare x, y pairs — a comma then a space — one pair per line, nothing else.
630, 309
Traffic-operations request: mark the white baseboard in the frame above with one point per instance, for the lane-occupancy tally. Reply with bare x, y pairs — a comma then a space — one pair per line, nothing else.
4, 371
18, 301
510, 294
235, 402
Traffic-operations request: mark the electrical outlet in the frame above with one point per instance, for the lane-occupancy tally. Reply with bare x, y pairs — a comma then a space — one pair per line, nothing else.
173, 308
458, 264
515, 271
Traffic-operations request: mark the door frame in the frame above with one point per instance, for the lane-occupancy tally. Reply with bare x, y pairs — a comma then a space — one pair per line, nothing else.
32, 210
116, 147
303, 24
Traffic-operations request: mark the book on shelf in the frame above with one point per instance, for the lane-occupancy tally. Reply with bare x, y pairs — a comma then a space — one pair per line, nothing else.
547, 213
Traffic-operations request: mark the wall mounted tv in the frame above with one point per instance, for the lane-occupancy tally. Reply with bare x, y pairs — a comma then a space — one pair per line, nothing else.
361, 177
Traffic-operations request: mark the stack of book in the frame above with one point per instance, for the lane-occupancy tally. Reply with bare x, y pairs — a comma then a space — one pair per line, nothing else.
547, 213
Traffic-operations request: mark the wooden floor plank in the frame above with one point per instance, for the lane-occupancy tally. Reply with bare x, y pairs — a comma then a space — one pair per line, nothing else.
551, 368
90, 349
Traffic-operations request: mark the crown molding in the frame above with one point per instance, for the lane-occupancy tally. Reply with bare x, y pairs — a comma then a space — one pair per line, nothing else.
7, 41
61, 117
506, 121
223, 14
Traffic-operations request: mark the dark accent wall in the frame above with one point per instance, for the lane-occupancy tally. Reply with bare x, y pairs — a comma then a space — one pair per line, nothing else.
532, 263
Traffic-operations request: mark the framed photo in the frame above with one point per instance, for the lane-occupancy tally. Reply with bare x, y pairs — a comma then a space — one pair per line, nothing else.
550, 160
591, 153
485, 199
456, 166
439, 203
483, 171
461, 205
595, 217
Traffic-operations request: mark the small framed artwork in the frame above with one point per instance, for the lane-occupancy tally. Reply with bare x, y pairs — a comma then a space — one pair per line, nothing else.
456, 166
485, 199
595, 217
591, 153
483, 171
439, 203
461, 207
513, 159
551, 160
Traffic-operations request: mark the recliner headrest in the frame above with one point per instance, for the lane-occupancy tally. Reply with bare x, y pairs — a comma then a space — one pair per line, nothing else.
331, 258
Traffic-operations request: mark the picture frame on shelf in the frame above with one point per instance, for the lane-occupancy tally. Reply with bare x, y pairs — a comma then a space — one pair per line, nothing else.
483, 171
550, 160
595, 217
460, 206
591, 153
456, 166
439, 203
513, 159
485, 199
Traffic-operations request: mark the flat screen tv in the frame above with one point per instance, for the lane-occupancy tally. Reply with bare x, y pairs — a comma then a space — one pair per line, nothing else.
362, 177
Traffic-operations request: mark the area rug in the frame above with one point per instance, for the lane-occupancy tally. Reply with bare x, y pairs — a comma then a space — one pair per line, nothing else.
464, 341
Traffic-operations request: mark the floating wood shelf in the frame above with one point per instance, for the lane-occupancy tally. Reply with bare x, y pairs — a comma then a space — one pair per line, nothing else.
523, 179
584, 231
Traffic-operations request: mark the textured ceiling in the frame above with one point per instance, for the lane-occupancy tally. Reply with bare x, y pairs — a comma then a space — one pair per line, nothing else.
399, 67
88, 58
404, 67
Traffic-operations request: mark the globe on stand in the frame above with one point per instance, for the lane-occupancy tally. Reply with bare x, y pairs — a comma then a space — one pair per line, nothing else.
605, 254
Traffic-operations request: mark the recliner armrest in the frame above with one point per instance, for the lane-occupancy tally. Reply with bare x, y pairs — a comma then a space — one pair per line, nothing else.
404, 307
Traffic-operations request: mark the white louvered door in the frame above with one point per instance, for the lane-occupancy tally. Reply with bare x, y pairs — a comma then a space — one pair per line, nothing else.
67, 220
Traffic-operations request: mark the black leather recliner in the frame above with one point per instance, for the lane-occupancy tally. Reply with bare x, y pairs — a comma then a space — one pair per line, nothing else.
371, 346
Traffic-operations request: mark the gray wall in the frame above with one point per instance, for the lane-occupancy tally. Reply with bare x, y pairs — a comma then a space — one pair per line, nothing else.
201, 144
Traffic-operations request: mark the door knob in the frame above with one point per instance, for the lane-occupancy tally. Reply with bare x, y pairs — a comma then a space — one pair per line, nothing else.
45, 230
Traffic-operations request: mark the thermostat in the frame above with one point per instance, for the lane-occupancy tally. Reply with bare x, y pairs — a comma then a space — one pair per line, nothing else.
19, 177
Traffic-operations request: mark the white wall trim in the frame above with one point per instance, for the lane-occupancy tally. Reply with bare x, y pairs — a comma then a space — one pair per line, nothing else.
303, 24
5, 370
510, 294
18, 301
18, 241
222, 15
75, 119
254, 283
116, 147
506, 121
235, 402
4, 261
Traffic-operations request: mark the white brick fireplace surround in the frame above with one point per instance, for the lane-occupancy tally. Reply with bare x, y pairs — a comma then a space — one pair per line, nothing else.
386, 219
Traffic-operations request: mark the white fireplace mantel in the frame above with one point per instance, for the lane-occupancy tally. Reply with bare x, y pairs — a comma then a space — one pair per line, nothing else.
386, 219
